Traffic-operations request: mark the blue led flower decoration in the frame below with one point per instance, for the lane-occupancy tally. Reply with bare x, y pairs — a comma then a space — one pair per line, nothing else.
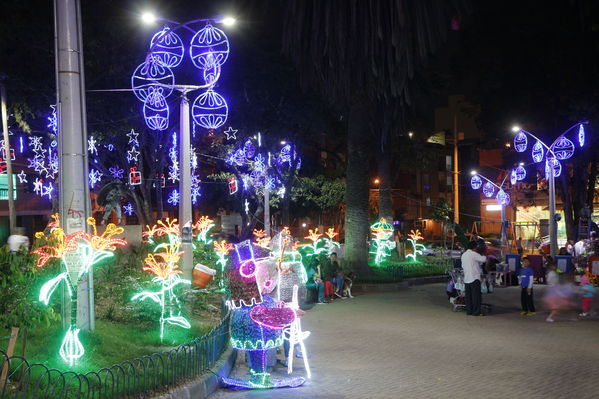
520, 173
563, 148
249, 148
502, 198
538, 152
209, 48
156, 111
581, 135
152, 76
552, 163
488, 190
520, 142
476, 182
210, 110
167, 47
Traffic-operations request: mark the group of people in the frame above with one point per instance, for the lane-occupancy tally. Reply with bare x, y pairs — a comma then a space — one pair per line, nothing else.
327, 279
560, 294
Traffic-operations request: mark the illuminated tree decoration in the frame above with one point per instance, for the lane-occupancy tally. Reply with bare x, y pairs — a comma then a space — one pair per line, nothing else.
152, 76
415, 236
538, 152
520, 172
209, 48
167, 47
382, 241
488, 189
520, 142
210, 110
156, 111
557, 167
476, 182
581, 136
78, 253
163, 264
502, 198
563, 148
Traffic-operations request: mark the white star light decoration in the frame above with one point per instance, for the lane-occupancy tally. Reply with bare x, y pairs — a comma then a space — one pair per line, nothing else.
132, 154
91, 145
94, 177
22, 177
230, 133
174, 197
133, 138
47, 190
38, 186
128, 209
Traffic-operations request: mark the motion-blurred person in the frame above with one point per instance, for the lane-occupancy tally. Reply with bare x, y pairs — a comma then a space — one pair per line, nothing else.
18, 240
587, 292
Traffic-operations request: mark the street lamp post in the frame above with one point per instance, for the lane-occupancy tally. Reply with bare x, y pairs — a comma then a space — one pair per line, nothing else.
561, 148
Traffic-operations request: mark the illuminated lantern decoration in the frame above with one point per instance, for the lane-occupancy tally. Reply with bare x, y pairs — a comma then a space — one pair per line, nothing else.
488, 189
513, 177
520, 173
134, 176
538, 152
152, 76
563, 148
581, 135
520, 142
156, 111
167, 47
557, 167
502, 198
476, 182
209, 48
210, 110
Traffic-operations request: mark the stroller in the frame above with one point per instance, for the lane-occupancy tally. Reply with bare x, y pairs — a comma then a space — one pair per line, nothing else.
456, 290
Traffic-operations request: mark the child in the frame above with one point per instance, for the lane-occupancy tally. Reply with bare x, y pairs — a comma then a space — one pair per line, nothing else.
588, 291
526, 280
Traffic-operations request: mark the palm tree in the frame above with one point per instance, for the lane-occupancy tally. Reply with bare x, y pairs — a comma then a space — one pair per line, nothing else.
360, 53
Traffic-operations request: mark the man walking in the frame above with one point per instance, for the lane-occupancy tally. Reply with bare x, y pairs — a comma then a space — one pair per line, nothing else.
471, 261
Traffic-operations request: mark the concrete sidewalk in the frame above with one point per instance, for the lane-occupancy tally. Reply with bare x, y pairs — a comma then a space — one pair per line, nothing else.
409, 344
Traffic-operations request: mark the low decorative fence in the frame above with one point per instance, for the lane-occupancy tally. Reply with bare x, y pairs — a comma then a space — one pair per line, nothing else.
136, 378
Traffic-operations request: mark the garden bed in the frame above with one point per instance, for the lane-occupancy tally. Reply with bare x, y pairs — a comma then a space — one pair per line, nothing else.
392, 271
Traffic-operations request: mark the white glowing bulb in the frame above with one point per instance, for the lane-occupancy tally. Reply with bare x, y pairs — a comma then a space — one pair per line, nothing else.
229, 21
148, 18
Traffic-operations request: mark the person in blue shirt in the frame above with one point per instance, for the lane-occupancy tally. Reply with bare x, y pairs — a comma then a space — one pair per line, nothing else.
526, 296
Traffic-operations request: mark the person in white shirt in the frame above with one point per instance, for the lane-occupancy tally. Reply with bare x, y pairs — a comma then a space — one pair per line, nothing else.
18, 240
579, 247
471, 261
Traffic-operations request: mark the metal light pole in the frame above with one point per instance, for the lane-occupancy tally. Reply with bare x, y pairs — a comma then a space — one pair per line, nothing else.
552, 221
12, 217
72, 139
185, 206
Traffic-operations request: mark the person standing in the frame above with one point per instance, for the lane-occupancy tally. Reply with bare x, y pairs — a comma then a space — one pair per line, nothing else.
471, 261
526, 295
519, 246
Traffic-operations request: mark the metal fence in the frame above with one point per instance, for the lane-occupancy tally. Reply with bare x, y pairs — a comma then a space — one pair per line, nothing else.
136, 378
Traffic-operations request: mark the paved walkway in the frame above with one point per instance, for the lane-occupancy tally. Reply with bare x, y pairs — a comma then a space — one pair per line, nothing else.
409, 344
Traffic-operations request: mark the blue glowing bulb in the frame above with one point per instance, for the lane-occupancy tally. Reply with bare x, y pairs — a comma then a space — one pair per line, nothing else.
520, 142
502, 198
563, 148
488, 190
167, 47
581, 135
156, 111
538, 152
210, 110
209, 48
152, 76
476, 182
520, 173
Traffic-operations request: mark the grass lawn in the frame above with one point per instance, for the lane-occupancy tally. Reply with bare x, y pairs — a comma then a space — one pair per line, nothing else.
391, 271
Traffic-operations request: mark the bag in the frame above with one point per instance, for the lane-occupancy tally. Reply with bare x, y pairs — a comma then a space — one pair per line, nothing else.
483, 286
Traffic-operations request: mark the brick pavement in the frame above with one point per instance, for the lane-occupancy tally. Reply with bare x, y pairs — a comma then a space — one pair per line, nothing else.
409, 344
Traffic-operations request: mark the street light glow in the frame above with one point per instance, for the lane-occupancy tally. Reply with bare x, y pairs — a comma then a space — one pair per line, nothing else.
148, 18
377, 181
303, 224
229, 21
473, 172
410, 134
521, 164
516, 128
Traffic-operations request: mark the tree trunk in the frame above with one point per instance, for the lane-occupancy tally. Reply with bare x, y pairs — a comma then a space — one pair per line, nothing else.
356, 194
567, 206
385, 185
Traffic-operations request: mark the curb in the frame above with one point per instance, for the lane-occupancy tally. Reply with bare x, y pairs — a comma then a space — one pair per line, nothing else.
206, 383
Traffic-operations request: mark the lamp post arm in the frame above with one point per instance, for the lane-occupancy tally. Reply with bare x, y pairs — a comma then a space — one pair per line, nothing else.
567, 131
499, 188
540, 141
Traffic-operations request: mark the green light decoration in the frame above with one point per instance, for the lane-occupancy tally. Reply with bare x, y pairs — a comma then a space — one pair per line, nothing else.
203, 226
331, 245
78, 253
415, 236
222, 249
316, 247
382, 241
163, 264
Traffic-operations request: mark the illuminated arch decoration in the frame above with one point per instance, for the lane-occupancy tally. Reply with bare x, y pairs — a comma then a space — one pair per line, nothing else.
163, 264
538, 152
520, 172
563, 148
552, 163
488, 189
476, 182
167, 47
152, 76
210, 110
382, 241
415, 236
520, 142
156, 111
581, 135
209, 48
78, 253
502, 198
